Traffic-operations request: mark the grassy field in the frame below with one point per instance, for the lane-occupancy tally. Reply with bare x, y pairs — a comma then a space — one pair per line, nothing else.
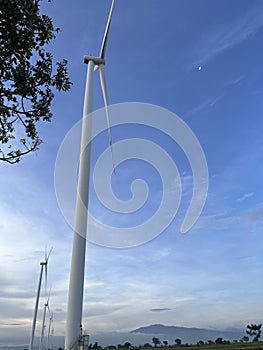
232, 346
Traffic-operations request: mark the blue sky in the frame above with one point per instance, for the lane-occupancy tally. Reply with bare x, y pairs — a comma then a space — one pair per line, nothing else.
209, 277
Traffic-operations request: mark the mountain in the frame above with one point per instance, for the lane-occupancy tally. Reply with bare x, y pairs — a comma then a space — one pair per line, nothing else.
188, 335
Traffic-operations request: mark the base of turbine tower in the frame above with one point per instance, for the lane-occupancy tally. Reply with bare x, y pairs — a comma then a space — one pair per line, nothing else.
83, 342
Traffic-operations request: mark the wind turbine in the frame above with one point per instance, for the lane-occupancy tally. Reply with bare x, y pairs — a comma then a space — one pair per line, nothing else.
50, 331
76, 283
43, 265
43, 327
46, 307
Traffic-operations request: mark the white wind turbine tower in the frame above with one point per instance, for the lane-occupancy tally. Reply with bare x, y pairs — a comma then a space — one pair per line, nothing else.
75, 295
42, 264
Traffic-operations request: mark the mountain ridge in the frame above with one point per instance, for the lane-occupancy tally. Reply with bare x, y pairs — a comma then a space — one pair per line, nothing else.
188, 334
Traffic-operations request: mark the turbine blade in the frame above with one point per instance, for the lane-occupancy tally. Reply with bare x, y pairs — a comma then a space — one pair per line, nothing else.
45, 253
46, 263
49, 254
106, 33
44, 267
104, 93
49, 311
46, 279
48, 297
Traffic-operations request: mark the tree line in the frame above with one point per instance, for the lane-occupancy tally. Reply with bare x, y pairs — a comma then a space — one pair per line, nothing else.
253, 333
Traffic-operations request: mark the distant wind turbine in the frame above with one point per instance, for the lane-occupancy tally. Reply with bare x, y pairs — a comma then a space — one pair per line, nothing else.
43, 265
50, 331
75, 295
43, 329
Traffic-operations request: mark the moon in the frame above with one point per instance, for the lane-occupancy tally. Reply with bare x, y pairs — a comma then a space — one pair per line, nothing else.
199, 68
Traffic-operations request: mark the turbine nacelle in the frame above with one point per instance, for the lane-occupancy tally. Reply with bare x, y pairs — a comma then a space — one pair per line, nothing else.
97, 60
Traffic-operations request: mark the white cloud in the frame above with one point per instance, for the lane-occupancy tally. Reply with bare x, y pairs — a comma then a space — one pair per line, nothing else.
245, 196
28, 225
220, 39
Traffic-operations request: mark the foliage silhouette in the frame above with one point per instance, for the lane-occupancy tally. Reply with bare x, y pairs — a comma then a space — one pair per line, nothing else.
27, 76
